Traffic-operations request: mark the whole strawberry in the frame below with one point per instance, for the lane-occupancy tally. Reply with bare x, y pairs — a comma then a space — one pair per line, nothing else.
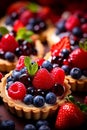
69, 116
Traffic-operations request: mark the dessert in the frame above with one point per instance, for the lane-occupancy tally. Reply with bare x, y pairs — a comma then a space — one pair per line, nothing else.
70, 24
72, 59
14, 44
32, 91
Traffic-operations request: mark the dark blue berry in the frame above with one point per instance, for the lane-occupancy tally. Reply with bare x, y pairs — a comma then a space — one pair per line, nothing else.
31, 90
8, 84
38, 101
44, 127
48, 65
50, 98
84, 72
29, 27
76, 73
77, 32
58, 89
28, 99
41, 122
7, 125
29, 127
66, 69
9, 21
65, 53
61, 26
9, 56
15, 75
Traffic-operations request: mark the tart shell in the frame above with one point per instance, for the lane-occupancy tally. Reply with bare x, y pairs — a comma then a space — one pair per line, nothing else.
20, 109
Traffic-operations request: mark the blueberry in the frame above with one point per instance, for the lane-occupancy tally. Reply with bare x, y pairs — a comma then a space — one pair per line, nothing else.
61, 25
9, 21
51, 98
29, 27
77, 32
65, 53
31, 21
7, 125
23, 70
29, 127
44, 127
41, 122
8, 84
38, 101
48, 65
16, 74
76, 73
28, 99
9, 56
31, 90
66, 69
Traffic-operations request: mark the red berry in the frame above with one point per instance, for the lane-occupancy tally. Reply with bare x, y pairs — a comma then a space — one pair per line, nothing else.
8, 43
72, 22
17, 91
1, 76
25, 16
78, 58
58, 75
20, 63
17, 25
69, 116
39, 61
84, 27
42, 79
64, 43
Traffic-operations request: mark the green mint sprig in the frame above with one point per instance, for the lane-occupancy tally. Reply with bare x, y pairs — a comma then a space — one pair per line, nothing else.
83, 45
31, 67
3, 30
24, 34
33, 7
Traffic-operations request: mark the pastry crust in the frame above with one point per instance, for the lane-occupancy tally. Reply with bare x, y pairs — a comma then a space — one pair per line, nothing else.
29, 111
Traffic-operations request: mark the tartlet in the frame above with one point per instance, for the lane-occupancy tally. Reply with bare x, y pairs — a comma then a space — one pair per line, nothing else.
19, 108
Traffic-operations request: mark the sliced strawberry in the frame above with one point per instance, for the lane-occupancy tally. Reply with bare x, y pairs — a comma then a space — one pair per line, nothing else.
17, 25
64, 43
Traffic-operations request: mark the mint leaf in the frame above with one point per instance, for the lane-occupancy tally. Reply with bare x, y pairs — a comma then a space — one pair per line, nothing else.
83, 45
33, 7
24, 34
31, 67
3, 30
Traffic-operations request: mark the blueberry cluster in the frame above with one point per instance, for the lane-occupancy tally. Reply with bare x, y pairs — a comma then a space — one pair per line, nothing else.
7, 125
37, 25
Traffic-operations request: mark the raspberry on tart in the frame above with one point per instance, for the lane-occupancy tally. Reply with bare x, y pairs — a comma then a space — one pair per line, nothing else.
30, 91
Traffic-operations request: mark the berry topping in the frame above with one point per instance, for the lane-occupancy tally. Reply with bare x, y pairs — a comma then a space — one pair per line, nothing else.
20, 63
9, 56
42, 79
1, 76
44, 127
17, 25
7, 125
39, 61
76, 73
58, 47
29, 127
8, 43
28, 99
67, 114
48, 65
17, 91
50, 98
58, 75
38, 101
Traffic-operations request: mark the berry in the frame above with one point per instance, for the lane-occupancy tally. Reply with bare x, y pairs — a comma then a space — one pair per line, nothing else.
48, 65
38, 101
76, 73
84, 28
65, 53
77, 32
42, 79
29, 127
9, 56
20, 63
40, 123
1, 76
58, 75
28, 99
58, 89
8, 43
72, 22
15, 75
69, 116
77, 58
66, 69
39, 61
61, 26
17, 91
7, 125
64, 43
17, 25
44, 127
51, 98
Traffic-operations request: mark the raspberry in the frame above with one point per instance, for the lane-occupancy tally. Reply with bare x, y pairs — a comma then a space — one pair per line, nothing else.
58, 75
72, 22
42, 79
17, 25
25, 16
17, 91
20, 63
8, 43
39, 61
1, 75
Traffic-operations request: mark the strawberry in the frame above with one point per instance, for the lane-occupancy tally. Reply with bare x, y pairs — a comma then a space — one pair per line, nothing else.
43, 79
39, 61
77, 58
69, 116
20, 63
17, 25
64, 43
58, 75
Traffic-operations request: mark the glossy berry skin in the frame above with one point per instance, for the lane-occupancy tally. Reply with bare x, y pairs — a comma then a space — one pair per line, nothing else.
75, 73
38, 101
50, 98
44, 127
43, 77
77, 32
28, 99
40, 123
39, 61
17, 91
48, 65
17, 25
1, 76
29, 127
7, 125
66, 69
20, 63
69, 116
9, 56
8, 43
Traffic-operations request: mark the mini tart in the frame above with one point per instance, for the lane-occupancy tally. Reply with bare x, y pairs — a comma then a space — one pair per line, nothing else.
18, 108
